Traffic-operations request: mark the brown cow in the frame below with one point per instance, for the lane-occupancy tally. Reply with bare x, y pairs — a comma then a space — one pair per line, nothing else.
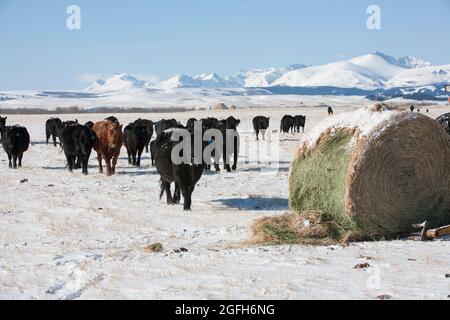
108, 144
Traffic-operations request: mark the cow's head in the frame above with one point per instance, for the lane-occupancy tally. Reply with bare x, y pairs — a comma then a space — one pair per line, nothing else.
232, 123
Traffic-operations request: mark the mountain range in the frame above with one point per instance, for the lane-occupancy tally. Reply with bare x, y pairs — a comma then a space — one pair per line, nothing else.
372, 72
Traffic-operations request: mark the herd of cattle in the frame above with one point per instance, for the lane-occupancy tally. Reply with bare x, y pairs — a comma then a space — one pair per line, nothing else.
108, 136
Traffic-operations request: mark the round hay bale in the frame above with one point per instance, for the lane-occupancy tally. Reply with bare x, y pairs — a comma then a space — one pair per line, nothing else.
221, 106
375, 172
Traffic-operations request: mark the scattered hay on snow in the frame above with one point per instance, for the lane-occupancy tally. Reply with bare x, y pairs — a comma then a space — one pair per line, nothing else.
374, 172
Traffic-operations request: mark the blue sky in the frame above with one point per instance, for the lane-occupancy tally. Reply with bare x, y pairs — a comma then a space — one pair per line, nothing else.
156, 39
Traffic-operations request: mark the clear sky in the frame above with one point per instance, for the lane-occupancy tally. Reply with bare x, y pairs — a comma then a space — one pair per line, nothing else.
156, 39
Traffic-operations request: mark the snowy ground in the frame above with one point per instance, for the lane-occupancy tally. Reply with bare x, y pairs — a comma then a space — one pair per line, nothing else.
67, 236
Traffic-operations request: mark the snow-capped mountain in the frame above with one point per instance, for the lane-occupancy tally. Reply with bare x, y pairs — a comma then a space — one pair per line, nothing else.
118, 82
376, 71
368, 72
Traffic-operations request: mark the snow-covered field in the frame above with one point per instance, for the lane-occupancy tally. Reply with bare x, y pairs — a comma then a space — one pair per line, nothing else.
67, 236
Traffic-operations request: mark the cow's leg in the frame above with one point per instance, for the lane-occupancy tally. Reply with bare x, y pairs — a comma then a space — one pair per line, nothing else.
166, 186
47, 136
78, 161
14, 161
177, 194
85, 164
9, 159
129, 156
54, 140
133, 156
20, 159
138, 162
100, 166
257, 135
146, 148
187, 196
108, 166
114, 164
69, 162
235, 155
226, 159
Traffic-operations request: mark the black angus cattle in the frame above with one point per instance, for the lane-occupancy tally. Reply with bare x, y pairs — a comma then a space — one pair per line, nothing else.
61, 126
261, 124
185, 175
190, 124
16, 141
51, 130
230, 125
209, 124
2, 126
77, 141
444, 121
149, 125
287, 124
89, 124
112, 119
299, 122
330, 111
136, 138
412, 108
164, 125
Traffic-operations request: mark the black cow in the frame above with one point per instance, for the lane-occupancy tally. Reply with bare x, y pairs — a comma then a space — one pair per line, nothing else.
164, 125
190, 124
16, 141
89, 124
287, 124
261, 123
412, 108
112, 119
299, 122
444, 121
149, 125
330, 111
77, 141
61, 126
51, 130
136, 138
185, 176
230, 124
2, 126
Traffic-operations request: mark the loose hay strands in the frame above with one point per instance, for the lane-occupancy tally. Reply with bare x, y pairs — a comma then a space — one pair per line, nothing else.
308, 228
375, 181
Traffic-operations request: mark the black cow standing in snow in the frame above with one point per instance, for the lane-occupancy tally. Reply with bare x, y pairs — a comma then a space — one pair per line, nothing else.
2, 126
299, 122
137, 137
261, 124
184, 175
77, 141
51, 130
330, 111
231, 142
287, 124
16, 141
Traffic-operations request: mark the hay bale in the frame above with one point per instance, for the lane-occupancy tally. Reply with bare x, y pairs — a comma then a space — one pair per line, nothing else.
374, 172
221, 106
